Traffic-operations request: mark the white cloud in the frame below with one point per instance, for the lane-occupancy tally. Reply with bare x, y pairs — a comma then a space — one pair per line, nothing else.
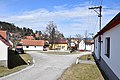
73, 19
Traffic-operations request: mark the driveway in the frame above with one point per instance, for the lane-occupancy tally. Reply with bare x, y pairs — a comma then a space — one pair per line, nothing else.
46, 67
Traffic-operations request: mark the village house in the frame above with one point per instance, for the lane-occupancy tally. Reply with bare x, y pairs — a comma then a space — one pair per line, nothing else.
74, 43
89, 45
32, 44
81, 45
5, 35
86, 45
60, 44
107, 49
46, 45
4, 49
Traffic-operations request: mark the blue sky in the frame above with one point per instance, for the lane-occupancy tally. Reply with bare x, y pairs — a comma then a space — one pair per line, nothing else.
71, 16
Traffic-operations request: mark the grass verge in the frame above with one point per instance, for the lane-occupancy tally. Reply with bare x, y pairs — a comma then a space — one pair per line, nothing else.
82, 72
87, 57
26, 58
5, 71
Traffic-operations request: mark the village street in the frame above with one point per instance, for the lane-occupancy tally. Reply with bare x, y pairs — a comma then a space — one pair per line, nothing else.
46, 67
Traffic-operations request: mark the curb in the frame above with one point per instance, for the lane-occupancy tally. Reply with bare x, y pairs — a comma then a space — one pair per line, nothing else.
29, 67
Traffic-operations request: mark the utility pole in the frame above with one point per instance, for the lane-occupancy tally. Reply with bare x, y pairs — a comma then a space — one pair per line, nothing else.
99, 14
100, 22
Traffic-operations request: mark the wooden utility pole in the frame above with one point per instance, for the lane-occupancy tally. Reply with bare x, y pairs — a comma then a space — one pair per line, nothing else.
99, 14
100, 22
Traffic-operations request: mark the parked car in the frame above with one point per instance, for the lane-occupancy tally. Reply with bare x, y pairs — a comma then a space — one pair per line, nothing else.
19, 49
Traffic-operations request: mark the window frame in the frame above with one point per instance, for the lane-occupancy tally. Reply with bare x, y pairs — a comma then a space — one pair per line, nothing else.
107, 46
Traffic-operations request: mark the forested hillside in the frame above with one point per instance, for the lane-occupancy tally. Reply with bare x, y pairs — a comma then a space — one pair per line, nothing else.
10, 27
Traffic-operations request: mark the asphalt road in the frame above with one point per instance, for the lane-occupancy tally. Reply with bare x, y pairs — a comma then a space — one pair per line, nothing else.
46, 67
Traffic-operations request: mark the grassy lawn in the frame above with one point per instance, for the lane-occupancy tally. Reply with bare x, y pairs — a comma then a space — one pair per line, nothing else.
5, 71
60, 53
86, 57
82, 72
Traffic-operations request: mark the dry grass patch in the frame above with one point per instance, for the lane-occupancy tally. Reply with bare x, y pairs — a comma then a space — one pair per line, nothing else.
87, 57
26, 58
5, 71
82, 72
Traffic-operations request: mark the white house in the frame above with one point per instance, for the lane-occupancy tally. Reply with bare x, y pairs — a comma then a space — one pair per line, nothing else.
86, 45
4, 48
32, 44
107, 48
82, 45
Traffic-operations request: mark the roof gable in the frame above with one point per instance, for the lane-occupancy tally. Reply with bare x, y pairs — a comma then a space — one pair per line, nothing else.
4, 41
3, 34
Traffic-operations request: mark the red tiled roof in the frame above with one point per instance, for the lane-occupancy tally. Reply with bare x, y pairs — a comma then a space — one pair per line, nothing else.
37, 35
3, 34
4, 41
60, 41
32, 42
29, 37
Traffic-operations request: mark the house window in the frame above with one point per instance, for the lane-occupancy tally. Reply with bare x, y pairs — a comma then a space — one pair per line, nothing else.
107, 53
27, 46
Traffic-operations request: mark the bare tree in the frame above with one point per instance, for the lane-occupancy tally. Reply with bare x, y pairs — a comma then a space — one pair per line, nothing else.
86, 34
52, 32
49, 29
52, 28
79, 36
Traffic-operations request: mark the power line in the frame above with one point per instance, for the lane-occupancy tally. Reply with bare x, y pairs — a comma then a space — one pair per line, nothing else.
99, 13
96, 24
101, 1
112, 8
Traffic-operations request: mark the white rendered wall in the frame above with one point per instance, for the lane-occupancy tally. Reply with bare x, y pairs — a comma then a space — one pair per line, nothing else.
33, 48
114, 60
3, 51
88, 47
96, 47
92, 48
82, 45
3, 54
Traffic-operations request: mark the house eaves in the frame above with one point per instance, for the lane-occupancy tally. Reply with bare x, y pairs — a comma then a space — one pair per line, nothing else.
113, 23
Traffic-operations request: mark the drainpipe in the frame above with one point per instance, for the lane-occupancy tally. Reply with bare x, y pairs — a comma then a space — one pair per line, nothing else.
99, 40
